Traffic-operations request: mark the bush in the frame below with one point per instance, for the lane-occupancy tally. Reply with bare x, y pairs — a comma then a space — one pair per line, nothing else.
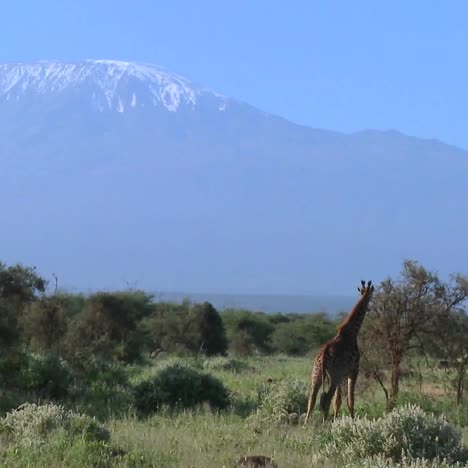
297, 337
110, 373
405, 432
248, 331
47, 375
179, 386
102, 388
282, 401
12, 367
44, 324
33, 424
108, 328
456, 415
382, 462
187, 328
242, 344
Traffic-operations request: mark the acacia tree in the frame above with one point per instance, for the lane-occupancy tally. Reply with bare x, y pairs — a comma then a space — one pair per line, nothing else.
107, 327
403, 312
195, 328
19, 286
44, 324
449, 341
20, 283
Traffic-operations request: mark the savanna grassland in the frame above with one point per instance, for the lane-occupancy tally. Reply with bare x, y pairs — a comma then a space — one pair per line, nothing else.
116, 379
265, 417
267, 425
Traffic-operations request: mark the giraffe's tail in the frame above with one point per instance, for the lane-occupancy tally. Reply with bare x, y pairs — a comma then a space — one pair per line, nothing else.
324, 376
324, 372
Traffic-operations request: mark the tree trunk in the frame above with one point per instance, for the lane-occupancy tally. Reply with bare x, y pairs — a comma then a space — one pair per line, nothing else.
379, 380
394, 386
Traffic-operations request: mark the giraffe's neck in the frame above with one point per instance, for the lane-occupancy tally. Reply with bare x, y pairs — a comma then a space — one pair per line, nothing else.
352, 324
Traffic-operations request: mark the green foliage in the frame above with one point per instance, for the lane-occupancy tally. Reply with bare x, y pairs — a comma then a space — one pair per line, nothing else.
44, 324
283, 401
242, 344
9, 329
186, 327
179, 386
62, 451
19, 286
299, 336
47, 376
380, 461
11, 399
439, 407
20, 283
248, 331
32, 424
209, 329
405, 432
107, 328
102, 388
12, 367
110, 373
139, 302
402, 312
71, 304
449, 341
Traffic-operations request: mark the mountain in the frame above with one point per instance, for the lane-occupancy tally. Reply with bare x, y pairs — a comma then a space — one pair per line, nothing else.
116, 173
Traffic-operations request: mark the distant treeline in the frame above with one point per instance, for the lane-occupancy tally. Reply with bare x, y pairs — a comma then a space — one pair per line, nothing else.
125, 326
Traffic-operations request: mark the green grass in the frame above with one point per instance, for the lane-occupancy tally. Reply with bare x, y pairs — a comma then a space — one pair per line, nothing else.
199, 439
202, 438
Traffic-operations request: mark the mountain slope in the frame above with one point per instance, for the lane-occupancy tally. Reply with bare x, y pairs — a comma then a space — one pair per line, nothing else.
189, 190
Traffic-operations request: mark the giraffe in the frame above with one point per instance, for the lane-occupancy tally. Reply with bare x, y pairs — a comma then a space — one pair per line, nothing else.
338, 359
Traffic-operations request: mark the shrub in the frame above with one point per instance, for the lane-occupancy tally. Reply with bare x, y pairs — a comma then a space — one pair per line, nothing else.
110, 373
382, 462
44, 324
12, 367
48, 375
454, 414
208, 328
86, 428
186, 328
282, 401
247, 331
405, 432
299, 336
242, 344
108, 328
102, 388
179, 386
33, 424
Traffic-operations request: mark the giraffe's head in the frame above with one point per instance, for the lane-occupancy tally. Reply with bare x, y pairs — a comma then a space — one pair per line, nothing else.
366, 290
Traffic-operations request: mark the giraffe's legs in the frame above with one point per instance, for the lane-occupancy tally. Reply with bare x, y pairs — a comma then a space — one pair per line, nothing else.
325, 400
351, 386
314, 389
337, 402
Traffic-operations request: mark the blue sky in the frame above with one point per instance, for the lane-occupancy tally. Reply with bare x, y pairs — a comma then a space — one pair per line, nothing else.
339, 65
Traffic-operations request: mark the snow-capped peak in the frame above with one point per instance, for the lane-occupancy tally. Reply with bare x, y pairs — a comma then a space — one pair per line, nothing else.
115, 85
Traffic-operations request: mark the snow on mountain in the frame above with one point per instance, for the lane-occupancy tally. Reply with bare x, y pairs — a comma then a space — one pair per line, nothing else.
116, 85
